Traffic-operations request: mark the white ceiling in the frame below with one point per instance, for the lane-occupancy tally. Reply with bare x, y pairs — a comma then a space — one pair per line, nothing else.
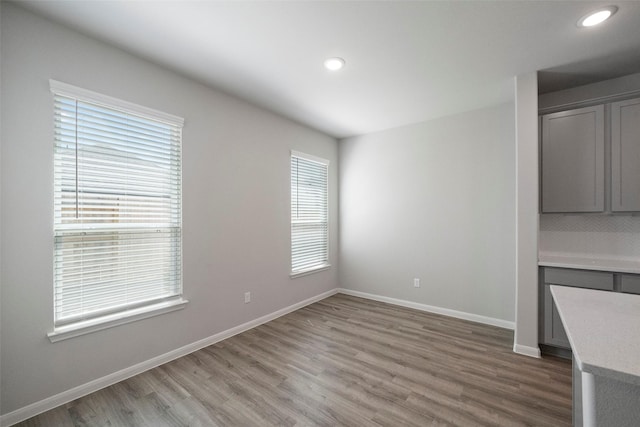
406, 61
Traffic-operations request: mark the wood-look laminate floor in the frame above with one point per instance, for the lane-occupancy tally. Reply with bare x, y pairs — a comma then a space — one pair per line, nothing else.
341, 361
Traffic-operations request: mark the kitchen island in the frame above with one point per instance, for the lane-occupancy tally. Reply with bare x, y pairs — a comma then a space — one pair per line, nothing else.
604, 332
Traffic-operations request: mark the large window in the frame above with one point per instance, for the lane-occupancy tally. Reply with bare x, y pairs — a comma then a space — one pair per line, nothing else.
309, 214
117, 210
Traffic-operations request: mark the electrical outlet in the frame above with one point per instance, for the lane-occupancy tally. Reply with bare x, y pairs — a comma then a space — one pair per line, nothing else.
416, 283
247, 297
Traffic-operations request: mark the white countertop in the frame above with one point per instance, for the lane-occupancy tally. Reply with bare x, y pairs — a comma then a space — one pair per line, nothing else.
603, 329
618, 265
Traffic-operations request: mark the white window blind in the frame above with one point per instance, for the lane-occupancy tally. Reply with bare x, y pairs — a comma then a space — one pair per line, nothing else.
117, 206
309, 213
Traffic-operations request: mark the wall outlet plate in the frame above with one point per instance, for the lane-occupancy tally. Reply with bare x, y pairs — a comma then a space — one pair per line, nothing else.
416, 283
247, 297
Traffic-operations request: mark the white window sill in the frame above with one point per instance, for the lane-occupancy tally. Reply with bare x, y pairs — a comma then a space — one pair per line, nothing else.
293, 275
89, 326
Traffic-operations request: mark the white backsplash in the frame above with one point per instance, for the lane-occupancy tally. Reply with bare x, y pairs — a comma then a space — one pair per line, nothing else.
600, 236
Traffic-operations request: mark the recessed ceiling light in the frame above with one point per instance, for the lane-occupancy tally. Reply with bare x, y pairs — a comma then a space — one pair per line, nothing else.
597, 16
334, 64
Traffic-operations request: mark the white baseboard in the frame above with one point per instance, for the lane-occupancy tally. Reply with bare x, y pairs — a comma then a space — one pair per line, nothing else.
44, 405
432, 309
526, 350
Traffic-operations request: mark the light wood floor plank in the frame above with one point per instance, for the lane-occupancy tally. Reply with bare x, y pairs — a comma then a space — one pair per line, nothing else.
343, 361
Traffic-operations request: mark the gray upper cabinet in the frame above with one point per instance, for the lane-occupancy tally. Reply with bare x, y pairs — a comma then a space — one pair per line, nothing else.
625, 156
573, 160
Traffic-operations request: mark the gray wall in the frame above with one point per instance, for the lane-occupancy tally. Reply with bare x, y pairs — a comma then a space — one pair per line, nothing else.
235, 209
436, 201
527, 151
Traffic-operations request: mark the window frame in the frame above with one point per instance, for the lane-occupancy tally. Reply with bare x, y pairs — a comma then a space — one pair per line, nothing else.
111, 316
326, 264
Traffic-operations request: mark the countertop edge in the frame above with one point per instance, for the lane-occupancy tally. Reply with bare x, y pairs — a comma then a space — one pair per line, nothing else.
594, 267
609, 373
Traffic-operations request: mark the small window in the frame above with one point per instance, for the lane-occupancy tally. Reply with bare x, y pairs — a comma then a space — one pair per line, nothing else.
309, 214
117, 208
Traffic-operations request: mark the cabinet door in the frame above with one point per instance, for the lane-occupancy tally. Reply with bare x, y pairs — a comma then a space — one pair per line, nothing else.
630, 283
573, 160
625, 156
554, 333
